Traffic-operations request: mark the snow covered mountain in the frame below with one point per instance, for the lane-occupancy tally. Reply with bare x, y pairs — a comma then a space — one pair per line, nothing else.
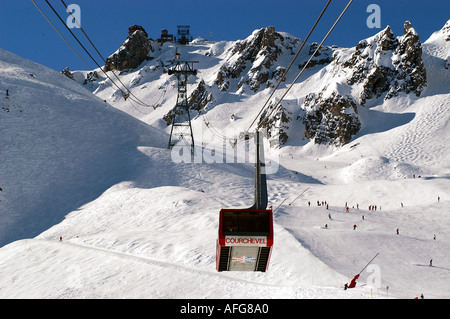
364, 126
345, 79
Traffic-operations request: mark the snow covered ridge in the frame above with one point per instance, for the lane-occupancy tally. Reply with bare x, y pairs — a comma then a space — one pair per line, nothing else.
131, 53
382, 66
385, 64
254, 62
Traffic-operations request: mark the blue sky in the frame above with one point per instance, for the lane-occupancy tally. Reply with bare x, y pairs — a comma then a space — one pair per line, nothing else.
25, 32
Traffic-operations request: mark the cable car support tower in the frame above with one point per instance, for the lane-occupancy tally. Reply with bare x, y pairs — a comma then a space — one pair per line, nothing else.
181, 132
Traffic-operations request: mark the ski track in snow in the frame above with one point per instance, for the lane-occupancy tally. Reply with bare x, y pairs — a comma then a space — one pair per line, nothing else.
415, 140
160, 263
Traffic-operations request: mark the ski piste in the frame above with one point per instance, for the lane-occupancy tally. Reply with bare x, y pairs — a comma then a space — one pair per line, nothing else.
134, 223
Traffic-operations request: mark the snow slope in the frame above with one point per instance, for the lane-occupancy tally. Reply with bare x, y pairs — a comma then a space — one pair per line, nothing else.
60, 147
135, 224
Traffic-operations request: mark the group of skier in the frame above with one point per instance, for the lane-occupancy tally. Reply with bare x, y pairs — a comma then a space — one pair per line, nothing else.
371, 208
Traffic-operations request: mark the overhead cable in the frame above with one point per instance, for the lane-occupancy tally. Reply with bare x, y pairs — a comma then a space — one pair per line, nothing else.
124, 94
292, 62
304, 67
45, 16
103, 59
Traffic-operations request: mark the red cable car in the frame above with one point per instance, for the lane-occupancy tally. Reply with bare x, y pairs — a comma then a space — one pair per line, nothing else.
245, 238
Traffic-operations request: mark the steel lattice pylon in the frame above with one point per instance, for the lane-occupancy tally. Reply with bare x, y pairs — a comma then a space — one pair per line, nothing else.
181, 132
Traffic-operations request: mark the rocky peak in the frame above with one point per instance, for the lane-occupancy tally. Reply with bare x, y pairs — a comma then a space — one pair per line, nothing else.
132, 52
407, 28
135, 28
252, 61
380, 65
410, 47
387, 40
407, 61
263, 39
386, 64
67, 73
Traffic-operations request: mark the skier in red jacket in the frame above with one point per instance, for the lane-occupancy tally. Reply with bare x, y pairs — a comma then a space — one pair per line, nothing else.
353, 282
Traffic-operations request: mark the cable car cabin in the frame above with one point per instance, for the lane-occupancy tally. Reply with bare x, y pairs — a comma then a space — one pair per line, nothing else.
245, 240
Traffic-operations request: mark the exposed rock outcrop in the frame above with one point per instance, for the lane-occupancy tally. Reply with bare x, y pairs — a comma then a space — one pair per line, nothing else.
67, 73
197, 101
199, 98
132, 52
253, 60
278, 123
332, 119
382, 65
325, 106
386, 64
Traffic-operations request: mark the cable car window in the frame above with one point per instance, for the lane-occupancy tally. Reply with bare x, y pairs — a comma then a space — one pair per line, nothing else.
246, 223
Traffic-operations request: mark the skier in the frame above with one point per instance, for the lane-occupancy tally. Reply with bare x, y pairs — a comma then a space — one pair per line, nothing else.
397, 231
431, 262
329, 216
354, 227
353, 282
346, 209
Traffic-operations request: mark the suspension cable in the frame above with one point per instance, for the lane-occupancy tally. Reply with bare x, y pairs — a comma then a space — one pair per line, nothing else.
292, 62
45, 16
98, 52
84, 48
281, 79
124, 94
304, 67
